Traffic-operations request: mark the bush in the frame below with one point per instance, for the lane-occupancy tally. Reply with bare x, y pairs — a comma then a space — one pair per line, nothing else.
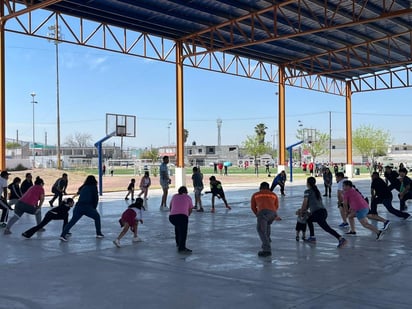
19, 167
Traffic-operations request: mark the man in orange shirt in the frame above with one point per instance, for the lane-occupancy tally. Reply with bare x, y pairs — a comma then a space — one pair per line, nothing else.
264, 205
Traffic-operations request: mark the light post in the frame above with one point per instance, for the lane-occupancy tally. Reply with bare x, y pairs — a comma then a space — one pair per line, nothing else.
33, 94
301, 137
168, 133
55, 36
330, 138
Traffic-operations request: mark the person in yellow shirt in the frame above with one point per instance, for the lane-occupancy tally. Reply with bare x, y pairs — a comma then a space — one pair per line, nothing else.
264, 205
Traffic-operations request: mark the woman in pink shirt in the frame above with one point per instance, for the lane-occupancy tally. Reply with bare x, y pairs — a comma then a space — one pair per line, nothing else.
30, 203
359, 208
180, 209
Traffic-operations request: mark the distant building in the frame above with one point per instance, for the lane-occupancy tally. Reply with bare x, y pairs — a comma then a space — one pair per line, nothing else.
203, 155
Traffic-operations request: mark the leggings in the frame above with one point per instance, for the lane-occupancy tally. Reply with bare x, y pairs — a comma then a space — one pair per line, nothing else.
319, 216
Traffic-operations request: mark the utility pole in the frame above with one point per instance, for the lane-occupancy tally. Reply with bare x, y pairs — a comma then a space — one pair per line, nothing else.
33, 94
219, 127
330, 138
55, 36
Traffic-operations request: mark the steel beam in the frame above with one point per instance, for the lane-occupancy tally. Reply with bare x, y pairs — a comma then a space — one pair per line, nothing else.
2, 91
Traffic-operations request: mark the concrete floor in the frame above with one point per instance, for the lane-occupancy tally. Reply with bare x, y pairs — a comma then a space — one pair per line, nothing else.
224, 270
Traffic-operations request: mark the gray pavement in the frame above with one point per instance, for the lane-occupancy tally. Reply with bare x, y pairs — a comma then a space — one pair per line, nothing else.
224, 270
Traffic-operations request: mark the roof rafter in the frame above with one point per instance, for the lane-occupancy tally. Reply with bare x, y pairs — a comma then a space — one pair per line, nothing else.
323, 63
232, 28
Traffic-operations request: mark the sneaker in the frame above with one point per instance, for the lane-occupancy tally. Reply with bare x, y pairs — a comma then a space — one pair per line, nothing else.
126, 199
311, 239
303, 237
228, 207
379, 235
195, 207
386, 225
25, 235
351, 233
344, 224
137, 239
7, 231
200, 210
116, 242
264, 253
297, 237
185, 250
212, 210
164, 208
100, 236
63, 238
342, 242
3, 224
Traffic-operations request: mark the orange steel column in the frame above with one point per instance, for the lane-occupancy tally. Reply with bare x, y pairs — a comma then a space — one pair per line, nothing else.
282, 143
2, 91
179, 106
348, 123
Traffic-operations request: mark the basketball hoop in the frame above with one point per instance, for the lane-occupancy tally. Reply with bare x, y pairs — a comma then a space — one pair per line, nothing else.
121, 130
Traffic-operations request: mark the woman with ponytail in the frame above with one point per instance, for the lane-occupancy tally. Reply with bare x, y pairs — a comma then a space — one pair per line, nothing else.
312, 202
30, 203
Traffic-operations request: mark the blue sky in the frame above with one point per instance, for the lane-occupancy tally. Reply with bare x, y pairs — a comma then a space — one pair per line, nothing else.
95, 82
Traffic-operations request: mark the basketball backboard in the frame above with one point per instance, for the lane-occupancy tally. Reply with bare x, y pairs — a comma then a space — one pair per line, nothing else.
121, 125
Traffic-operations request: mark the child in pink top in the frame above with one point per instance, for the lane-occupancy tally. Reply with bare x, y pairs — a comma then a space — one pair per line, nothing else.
129, 220
359, 208
145, 183
180, 209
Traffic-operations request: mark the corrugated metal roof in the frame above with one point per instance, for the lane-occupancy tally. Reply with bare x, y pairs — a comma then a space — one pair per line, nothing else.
339, 39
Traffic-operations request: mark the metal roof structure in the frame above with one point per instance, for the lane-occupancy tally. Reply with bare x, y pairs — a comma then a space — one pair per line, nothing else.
366, 42
337, 46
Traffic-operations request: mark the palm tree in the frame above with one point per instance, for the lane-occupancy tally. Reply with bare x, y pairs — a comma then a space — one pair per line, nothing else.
260, 131
185, 135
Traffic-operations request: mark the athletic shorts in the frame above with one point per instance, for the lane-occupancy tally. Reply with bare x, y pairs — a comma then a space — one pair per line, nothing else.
198, 191
363, 213
129, 216
164, 185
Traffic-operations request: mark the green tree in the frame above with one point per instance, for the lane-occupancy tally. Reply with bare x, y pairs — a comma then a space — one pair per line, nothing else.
319, 145
370, 142
260, 131
12, 145
254, 147
185, 135
151, 154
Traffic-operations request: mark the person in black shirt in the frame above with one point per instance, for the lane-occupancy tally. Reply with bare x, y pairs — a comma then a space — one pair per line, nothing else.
405, 192
27, 183
393, 178
15, 191
59, 189
381, 194
58, 213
